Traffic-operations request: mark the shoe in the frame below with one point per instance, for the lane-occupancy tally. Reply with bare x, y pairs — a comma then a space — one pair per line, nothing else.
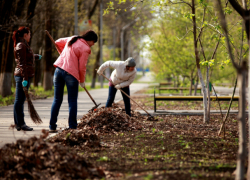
26, 128
18, 128
69, 128
53, 131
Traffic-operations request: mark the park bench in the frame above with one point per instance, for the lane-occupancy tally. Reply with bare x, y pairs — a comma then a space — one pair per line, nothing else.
190, 98
165, 84
177, 89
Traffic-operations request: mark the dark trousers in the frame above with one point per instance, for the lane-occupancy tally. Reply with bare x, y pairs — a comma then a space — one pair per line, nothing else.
61, 78
19, 101
111, 98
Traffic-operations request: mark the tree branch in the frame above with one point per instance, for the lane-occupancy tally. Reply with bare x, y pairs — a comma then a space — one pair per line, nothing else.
224, 27
92, 10
181, 2
237, 7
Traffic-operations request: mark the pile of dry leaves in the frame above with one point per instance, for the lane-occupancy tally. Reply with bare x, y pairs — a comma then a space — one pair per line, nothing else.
36, 159
77, 138
114, 119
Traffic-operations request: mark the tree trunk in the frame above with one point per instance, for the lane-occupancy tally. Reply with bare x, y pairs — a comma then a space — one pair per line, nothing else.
206, 120
242, 72
6, 72
7, 56
196, 85
37, 48
96, 65
47, 76
174, 81
240, 171
30, 15
191, 83
208, 94
31, 11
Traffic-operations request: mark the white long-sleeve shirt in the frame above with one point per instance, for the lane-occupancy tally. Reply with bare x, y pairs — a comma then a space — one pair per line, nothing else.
120, 75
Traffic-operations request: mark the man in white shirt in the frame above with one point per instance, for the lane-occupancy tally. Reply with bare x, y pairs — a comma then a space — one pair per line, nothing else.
123, 75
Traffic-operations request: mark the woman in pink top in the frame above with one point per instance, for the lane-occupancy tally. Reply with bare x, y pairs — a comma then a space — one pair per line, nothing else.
70, 70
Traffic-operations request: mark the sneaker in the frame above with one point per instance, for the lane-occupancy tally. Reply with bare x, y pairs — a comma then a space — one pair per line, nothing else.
26, 128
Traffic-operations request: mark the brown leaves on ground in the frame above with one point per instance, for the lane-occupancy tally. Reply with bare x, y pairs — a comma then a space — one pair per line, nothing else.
174, 147
111, 120
78, 138
37, 159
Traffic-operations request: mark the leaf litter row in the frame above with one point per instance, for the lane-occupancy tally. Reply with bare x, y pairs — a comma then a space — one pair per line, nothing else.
102, 120
38, 158
106, 120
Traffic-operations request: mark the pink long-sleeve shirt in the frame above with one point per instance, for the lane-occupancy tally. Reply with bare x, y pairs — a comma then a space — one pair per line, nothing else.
73, 59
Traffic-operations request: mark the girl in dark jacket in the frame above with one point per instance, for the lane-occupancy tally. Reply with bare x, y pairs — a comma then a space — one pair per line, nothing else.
24, 71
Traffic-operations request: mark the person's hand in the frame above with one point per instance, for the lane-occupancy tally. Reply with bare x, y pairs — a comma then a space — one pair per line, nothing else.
82, 84
118, 86
24, 83
99, 72
40, 57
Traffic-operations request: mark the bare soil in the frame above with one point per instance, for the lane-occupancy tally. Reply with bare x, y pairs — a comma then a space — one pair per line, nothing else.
109, 142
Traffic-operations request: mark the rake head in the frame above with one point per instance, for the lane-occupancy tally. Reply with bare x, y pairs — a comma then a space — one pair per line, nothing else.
94, 108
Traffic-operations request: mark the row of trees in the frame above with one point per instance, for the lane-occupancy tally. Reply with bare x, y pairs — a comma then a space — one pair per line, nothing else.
187, 31
219, 35
57, 16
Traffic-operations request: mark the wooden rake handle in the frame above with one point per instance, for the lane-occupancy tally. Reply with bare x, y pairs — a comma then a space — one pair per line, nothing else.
47, 32
90, 96
125, 94
59, 51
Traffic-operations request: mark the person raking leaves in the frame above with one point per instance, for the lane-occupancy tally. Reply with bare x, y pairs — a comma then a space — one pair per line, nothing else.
70, 70
123, 75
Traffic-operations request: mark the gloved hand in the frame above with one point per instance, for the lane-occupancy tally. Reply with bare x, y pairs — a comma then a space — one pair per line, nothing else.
99, 72
24, 83
118, 86
40, 57
82, 84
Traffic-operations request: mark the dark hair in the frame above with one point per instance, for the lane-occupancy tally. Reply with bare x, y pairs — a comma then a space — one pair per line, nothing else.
88, 36
17, 34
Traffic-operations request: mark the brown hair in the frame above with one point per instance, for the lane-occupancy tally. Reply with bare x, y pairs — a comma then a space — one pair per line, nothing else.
88, 36
17, 34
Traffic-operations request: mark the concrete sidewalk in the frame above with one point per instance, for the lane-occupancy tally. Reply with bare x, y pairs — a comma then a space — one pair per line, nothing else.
185, 112
43, 108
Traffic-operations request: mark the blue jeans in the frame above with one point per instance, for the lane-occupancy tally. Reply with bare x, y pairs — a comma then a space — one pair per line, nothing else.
111, 98
61, 78
19, 101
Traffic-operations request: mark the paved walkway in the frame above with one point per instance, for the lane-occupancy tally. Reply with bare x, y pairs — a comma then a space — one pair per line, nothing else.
43, 108
185, 112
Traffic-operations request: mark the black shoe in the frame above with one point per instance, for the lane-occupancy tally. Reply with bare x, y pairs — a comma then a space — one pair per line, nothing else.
26, 128
53, 131
18, 128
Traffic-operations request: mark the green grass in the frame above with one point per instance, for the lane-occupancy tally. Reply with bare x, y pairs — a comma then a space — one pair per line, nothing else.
39, 92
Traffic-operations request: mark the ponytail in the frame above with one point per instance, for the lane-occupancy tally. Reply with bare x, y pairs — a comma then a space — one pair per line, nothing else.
17, 34
73, 40
88, 36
